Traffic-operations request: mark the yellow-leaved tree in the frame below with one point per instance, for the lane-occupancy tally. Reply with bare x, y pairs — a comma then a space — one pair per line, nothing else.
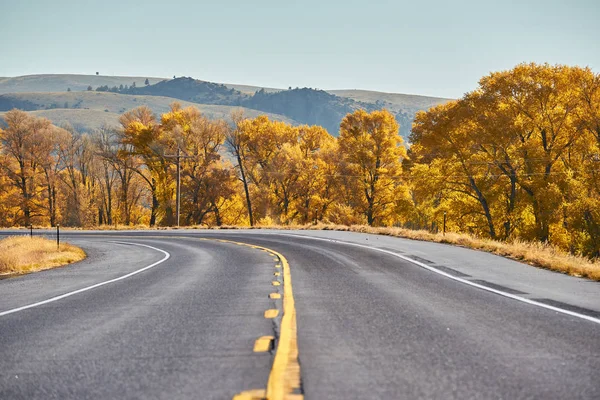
371, 154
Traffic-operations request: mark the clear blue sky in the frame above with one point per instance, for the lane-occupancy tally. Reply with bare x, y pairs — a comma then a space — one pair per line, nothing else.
436, 47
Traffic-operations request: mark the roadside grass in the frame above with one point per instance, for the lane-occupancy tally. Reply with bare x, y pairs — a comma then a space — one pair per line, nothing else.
537, 254
24, 254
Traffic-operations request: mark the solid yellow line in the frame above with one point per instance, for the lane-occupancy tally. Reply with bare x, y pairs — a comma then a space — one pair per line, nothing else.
272, 313
263, 344
285, 373
284, 378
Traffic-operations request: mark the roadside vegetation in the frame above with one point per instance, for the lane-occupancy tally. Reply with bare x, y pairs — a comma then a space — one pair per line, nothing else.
541, 255
515, 164
24, 254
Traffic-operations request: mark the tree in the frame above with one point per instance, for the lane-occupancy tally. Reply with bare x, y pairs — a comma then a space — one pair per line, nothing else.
25, 143
89, 88
237, 145
205, 179
371, 152
117, 156
147, 82
142, 133
515, 158
52, 165
446, 132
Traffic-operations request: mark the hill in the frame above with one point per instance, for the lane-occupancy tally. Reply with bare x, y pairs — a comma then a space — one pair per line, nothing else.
60, 83
305, 106
392, 101
193, 90
309, 106
81, 120
90, 110
250, 90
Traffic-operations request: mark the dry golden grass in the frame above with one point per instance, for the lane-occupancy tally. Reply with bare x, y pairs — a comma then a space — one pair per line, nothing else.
23, 254
533, 253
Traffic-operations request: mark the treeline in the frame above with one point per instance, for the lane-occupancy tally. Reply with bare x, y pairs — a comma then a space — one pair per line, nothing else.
253, 171
518, 158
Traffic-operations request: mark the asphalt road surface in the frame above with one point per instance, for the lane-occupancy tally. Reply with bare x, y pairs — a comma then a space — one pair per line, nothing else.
170, 315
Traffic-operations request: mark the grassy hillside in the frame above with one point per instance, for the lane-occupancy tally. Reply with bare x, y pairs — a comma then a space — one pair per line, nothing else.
309, 106
306, 106
392, 101
60, 83
81, 120
250, 90
89, 110
194, 90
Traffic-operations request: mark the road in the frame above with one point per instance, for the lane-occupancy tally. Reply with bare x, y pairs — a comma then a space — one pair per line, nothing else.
177, 314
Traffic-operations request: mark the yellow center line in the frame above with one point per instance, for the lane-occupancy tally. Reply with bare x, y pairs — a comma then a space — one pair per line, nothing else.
258, 394
263, 344
272, 313
274, 296
284, 378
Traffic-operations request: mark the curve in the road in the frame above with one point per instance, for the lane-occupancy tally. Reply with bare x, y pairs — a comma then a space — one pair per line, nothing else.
284, 378
85, 289
461, 280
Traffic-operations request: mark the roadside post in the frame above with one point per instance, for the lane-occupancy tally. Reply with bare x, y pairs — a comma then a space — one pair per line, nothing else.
31, 230
444, 223
58, 236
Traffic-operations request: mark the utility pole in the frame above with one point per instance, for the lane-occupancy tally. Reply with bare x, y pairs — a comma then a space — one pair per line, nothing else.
178, 195
444, 223
178, 158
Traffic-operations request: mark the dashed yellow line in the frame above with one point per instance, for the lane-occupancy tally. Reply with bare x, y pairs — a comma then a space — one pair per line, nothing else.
258, 394
284, 378
263, 344
277, 273
272, 313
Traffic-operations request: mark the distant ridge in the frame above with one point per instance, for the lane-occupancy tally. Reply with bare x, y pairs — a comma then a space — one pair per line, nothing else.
299, 105
62, 82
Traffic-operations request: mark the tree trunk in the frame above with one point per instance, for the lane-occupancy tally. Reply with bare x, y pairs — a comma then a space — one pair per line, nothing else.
486, 209
246, 191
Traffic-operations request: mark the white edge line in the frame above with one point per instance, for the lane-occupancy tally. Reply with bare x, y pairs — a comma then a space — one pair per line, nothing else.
85, 289
455, 278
